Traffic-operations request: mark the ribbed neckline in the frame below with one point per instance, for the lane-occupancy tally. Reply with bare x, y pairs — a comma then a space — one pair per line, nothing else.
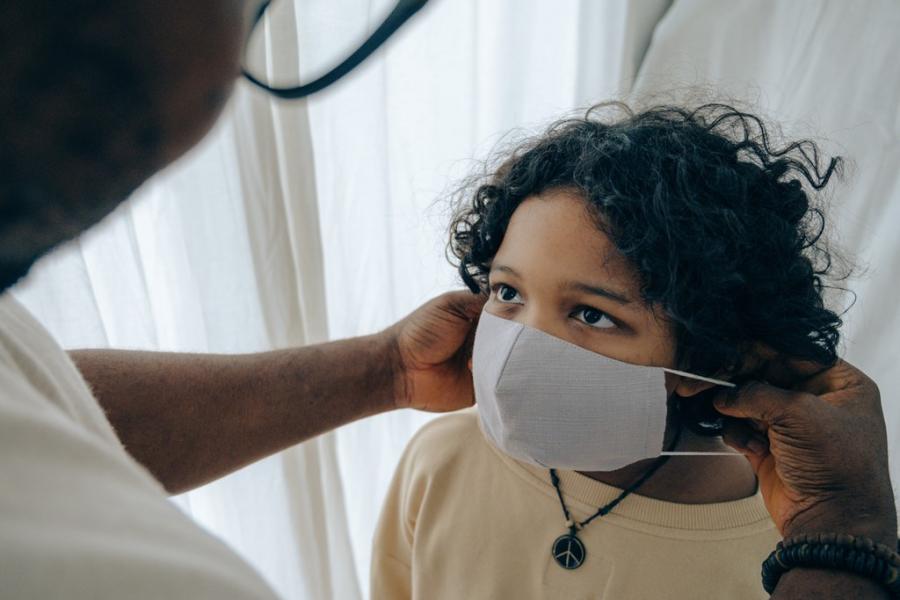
584, 495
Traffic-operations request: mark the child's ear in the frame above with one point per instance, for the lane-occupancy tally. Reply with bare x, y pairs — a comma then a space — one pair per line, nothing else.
687, 387
470, 364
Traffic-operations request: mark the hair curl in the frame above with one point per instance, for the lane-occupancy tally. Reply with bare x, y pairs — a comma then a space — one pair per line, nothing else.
719, 223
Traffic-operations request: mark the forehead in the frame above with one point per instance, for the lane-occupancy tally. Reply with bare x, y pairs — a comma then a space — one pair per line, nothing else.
554, 235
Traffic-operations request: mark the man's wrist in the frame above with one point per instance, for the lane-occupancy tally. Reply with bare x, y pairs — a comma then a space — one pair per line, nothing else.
877, 522
823, 584
388, 369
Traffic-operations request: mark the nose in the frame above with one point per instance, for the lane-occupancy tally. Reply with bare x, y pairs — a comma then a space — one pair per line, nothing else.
538, 317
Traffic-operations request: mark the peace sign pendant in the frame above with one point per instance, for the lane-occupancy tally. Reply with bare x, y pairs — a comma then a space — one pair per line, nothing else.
568, 551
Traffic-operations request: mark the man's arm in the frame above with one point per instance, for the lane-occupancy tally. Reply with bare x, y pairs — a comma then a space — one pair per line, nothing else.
814, 584
191, 418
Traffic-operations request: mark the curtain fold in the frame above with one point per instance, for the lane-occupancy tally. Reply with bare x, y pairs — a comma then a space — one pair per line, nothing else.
394, 139
298, 222
289, 208
222, 253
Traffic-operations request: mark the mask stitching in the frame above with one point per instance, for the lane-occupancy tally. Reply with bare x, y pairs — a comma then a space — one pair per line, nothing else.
495, 384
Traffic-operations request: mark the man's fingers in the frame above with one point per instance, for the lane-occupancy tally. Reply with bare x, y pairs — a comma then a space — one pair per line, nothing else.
463, 303
740, 435
788, 373
467, 306
467, 347
844, 384
752, 444
755, 400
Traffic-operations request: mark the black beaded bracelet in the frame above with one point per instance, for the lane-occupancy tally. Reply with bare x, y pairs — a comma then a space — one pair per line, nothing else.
854, 554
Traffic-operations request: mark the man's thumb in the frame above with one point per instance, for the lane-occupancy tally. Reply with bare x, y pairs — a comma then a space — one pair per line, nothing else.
755, 400
464, 303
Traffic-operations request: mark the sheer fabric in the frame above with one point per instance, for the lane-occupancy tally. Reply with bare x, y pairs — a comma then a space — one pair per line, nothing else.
295, 223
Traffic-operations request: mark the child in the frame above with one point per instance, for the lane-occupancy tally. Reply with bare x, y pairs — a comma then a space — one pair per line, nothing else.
614, 253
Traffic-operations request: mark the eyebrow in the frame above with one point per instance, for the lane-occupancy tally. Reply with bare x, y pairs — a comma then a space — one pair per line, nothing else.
596, 290
580, 286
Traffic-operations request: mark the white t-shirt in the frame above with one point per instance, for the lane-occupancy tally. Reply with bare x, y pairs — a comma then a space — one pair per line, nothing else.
79, 518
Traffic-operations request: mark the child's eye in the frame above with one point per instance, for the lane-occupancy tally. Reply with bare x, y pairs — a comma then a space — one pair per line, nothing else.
507, 294
593, 317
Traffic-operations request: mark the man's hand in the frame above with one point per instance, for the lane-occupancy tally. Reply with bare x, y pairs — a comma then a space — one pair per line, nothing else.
819, 450
190, 418
431, 349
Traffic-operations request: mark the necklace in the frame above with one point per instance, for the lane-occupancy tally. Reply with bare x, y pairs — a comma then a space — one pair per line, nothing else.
568, 550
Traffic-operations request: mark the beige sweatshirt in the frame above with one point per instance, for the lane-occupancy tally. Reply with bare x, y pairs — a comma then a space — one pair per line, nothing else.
463, 521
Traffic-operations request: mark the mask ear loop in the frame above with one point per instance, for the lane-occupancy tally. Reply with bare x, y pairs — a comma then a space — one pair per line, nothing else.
727, 384
671, 452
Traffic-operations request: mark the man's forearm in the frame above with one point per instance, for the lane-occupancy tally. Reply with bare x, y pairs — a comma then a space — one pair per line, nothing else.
819, 584
191, 418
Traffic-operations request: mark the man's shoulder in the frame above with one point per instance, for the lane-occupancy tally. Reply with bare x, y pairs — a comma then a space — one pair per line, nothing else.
84, 511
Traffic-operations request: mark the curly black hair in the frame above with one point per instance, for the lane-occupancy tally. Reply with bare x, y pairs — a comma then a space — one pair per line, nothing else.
721, 225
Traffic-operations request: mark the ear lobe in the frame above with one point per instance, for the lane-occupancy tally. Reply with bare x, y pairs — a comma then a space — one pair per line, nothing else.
687, 387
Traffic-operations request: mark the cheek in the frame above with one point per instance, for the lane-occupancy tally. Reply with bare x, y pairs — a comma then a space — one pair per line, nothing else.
188, 117
661, 351
660, 344
644, 345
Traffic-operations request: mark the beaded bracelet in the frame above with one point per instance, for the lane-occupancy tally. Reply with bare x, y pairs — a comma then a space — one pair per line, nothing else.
855, 554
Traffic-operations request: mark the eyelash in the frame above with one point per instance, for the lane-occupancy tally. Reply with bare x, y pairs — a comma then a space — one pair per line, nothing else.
497, 289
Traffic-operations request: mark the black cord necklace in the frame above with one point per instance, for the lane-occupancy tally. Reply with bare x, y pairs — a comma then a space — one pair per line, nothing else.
568, 550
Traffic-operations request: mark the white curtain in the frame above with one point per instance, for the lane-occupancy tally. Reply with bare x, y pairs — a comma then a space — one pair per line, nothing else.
826, 69
391, 142
298, 222
222, 254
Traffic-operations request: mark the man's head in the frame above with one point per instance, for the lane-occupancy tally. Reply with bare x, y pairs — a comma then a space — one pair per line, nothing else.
95, 98
671, 237
98, 96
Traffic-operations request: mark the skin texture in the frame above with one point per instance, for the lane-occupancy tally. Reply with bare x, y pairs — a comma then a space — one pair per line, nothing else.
547, 274
191, 418
98, 96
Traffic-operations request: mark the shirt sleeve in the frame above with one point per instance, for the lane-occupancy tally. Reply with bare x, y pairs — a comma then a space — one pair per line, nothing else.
79, 519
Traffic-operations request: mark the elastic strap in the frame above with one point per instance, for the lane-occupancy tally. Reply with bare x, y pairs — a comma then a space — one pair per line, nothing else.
700, 377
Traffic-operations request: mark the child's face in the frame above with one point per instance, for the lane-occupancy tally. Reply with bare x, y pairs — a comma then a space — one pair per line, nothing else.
557, 272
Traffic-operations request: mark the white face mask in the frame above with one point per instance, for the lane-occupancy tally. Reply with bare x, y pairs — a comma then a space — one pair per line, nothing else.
553, 404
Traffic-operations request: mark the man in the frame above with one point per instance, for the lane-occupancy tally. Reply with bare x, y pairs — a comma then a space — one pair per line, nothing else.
95, 98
